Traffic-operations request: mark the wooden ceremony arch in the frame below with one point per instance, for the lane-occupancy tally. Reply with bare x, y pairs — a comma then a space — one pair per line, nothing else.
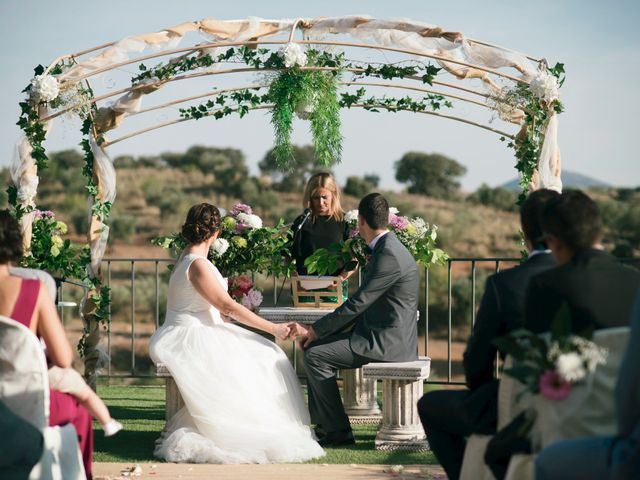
517, 88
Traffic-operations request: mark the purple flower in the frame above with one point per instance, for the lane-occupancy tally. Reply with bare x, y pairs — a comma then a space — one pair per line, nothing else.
252, 299
397, 222
241, 208
553, 386
43, 214
354, 232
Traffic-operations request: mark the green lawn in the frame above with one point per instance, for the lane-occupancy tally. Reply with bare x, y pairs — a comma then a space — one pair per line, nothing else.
141, 410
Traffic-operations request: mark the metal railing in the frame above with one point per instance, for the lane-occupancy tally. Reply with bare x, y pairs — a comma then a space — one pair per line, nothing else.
123, 273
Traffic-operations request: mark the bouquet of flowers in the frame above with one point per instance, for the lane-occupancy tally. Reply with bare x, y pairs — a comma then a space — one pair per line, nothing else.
244, 244
414, 233
242, 290
50, 252
551, 365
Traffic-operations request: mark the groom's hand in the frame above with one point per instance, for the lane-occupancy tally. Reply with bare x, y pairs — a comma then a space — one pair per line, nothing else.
295, 330
310, 336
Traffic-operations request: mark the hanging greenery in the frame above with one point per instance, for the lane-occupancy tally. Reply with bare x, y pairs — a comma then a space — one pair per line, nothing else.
539, 101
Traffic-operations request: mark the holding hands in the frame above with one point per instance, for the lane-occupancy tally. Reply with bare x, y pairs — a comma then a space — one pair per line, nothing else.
299, 332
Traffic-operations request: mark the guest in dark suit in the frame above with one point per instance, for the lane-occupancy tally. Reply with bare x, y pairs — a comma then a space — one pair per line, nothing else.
616, 458
448, 416
378, 323
598, 289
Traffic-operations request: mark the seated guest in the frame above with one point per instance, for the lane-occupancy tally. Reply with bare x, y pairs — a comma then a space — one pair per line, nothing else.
597, 458
448, 416
598, 290
23, 300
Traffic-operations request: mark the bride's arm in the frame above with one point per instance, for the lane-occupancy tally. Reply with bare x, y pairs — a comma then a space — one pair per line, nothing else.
207, 285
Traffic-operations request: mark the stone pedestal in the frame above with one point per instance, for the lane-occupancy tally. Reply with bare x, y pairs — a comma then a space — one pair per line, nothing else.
402, 388
360, 397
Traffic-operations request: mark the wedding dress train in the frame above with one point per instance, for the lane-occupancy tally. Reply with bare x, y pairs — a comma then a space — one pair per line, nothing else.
243, 402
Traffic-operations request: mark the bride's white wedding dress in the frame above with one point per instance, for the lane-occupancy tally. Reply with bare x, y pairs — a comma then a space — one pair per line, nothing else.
243, 402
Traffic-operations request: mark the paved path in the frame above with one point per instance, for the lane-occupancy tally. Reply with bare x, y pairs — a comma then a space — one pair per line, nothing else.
166, 471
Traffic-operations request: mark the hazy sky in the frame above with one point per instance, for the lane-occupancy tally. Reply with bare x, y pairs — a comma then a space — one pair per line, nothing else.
599, 42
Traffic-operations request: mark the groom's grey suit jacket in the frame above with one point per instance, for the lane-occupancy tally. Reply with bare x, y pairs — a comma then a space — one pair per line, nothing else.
383, 310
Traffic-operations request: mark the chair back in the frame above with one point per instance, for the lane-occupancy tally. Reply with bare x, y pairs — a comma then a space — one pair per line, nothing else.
23, 369
589, 410
41, 275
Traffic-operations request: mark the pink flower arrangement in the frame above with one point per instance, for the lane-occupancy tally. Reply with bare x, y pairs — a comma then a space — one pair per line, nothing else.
43, 214
553, 386
242, 290
241, 208
252, 299
398, 222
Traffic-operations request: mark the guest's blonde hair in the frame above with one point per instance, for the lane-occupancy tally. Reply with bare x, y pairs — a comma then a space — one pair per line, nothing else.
324, 180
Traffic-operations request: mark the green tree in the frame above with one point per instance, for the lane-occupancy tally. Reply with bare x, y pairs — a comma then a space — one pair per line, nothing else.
499, 197
358, 187
303, 166
226, 164
430, 174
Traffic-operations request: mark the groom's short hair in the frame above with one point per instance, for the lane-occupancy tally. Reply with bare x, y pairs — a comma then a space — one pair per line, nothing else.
374, 209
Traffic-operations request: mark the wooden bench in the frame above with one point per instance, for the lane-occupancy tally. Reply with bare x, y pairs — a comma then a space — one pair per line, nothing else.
173, 399
401, 389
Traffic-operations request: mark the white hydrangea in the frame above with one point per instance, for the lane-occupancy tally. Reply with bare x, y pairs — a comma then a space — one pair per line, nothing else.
570, 367
351, 216
44, 88
394, 210
293, 55
420, 225
545, 87
251, 220
220, 246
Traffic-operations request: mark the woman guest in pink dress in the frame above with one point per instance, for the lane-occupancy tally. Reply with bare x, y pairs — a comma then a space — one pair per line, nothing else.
27, 302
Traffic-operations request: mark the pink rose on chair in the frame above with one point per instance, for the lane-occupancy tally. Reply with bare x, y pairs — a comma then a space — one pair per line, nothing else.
553, 386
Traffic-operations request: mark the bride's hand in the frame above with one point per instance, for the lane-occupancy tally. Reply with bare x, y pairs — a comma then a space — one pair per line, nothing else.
281, 331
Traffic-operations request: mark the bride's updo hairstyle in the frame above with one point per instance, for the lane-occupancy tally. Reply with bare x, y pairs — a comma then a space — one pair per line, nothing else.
203, 221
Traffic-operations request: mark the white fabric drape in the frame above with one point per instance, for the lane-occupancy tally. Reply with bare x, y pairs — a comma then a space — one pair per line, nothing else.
106, 178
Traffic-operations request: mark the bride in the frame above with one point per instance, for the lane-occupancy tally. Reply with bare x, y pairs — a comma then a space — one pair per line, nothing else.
243, 402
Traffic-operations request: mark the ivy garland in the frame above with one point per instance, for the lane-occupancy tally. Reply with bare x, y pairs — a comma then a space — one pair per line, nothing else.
305, 92
71, 260
537, 114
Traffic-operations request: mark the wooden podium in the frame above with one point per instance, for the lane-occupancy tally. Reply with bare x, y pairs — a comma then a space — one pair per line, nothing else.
310, 291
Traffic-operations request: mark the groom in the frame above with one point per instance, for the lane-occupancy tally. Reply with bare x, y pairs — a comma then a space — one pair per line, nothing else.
377, 324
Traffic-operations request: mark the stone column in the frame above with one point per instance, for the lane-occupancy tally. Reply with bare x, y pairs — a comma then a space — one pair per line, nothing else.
360, 397
401, 389
401, 427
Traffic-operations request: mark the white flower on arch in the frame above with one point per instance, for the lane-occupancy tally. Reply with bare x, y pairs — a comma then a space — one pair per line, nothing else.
293, 55
44, 88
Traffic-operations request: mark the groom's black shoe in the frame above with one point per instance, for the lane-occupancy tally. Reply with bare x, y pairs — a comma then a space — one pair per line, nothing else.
337, 439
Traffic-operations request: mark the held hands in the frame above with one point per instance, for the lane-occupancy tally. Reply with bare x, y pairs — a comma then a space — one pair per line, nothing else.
283, 332
305, 335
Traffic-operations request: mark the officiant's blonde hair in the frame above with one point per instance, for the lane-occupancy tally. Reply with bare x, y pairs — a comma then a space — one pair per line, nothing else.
324, 180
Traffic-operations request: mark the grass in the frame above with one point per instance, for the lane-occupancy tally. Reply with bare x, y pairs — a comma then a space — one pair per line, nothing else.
141, 410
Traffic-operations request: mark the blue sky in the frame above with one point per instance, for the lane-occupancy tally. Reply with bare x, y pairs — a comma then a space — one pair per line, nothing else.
599, 42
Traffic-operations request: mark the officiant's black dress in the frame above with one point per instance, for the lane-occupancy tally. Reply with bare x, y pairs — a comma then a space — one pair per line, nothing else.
317, 232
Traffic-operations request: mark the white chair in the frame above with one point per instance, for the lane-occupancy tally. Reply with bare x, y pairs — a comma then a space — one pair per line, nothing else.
34, 273
588, 411
25, 391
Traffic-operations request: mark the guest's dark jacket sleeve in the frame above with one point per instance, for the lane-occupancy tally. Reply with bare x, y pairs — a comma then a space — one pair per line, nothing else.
479, 357
381, 274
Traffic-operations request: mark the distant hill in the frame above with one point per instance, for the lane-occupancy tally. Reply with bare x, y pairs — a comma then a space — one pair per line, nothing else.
569, 180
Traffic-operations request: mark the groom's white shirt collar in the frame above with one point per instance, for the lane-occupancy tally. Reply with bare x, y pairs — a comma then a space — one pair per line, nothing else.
372, 245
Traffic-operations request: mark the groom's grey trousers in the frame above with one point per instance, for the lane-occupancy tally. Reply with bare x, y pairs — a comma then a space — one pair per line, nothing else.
382, 314
322, 360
